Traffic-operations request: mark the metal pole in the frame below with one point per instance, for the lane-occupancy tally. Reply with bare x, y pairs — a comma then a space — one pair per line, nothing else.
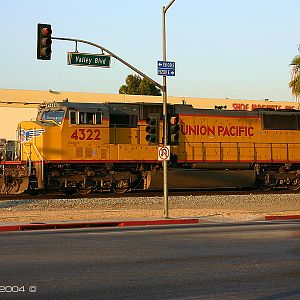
111, 54
165, 110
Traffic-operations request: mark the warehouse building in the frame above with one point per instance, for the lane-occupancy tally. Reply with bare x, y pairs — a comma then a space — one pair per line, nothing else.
20, 105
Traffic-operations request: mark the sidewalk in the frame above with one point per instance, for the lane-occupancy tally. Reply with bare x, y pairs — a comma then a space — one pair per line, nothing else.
38, 213
124, 223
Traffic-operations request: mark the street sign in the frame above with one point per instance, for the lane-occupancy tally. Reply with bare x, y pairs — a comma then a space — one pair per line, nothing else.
163, 153
88, 59
166, 68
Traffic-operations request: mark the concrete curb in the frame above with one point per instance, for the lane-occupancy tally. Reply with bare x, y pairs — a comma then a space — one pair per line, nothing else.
47, 226
278, 218
128, 223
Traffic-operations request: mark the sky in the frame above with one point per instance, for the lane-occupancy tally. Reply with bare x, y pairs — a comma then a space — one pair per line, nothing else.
238, 49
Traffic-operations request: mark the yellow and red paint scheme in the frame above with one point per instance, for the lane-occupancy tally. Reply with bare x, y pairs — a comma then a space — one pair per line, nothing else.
234, 138
103, 146
68, 143
54, 143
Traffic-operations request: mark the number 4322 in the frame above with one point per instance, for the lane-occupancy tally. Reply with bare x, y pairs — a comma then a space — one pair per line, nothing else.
86, 134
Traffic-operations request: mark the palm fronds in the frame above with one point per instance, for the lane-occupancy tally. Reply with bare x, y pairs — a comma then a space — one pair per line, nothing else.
295, 74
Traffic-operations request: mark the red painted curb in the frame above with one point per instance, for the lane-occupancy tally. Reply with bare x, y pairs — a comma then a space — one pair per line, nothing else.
274, 218
10, 228
158, 222
44, 226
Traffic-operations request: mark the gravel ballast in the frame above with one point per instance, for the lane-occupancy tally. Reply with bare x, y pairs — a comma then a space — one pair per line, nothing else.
211, 208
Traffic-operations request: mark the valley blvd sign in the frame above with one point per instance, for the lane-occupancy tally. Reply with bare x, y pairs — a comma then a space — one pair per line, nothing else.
88, 59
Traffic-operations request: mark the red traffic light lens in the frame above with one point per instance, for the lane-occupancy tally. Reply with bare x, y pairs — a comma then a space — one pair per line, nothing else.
46, 31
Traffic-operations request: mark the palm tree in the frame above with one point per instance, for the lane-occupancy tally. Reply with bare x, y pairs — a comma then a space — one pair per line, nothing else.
295, 73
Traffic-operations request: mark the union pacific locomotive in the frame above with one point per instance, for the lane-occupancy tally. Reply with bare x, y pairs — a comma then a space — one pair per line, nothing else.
80, 148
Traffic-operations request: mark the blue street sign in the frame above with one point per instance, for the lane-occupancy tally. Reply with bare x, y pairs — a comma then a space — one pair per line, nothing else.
166, 68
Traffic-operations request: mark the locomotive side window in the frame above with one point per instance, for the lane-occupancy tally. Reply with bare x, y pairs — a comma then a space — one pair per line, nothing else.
125, 121
89, 118
54, 115
98, 117
280, 122
82, 117
72, 117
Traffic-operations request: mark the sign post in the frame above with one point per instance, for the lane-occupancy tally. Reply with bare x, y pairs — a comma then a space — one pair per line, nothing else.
169, 71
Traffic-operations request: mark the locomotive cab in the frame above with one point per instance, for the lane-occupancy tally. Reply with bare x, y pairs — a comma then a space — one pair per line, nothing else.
83, 147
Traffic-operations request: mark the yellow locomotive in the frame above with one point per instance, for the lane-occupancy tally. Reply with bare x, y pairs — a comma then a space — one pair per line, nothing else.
80, 147
241, 148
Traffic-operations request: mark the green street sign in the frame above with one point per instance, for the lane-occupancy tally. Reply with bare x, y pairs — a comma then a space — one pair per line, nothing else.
89, 60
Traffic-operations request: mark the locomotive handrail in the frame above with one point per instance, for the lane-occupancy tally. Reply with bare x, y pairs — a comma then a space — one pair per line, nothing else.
41, 158
239, 146
29, 156
23, 145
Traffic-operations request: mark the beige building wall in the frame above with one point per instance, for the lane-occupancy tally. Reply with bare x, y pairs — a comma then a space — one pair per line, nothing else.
20, 105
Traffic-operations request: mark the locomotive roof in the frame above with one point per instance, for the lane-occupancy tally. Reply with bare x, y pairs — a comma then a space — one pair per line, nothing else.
177, 108
189, 109
78, 105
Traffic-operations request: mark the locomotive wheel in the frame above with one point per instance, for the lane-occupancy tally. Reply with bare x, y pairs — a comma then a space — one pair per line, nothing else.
294, 185
14, 186
265, 188
265, 183
120, 186
83, 189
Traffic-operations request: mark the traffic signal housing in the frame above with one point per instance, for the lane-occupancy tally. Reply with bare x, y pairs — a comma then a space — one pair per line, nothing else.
44, 42
174, 129
152, 129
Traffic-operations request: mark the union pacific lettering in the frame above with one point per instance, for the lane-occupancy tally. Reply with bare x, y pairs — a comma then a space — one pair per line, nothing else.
216, 130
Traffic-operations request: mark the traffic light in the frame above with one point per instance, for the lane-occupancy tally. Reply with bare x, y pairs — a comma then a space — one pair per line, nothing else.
152, 130
174, 129
44, 41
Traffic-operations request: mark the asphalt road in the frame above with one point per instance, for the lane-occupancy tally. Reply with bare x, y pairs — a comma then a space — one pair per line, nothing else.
188, 262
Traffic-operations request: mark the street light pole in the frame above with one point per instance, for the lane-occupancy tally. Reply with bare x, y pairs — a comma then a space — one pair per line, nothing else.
165, 110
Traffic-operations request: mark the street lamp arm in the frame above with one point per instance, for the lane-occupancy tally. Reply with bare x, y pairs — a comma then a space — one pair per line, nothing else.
113, 55
167, 7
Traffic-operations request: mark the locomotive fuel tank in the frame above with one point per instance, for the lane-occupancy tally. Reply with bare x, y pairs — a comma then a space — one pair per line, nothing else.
198, 178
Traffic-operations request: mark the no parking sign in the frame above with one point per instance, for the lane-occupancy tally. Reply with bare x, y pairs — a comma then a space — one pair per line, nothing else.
164, 153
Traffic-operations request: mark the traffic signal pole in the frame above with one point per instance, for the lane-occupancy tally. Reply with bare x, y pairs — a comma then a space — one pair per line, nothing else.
165, 121
112, 55
165, 110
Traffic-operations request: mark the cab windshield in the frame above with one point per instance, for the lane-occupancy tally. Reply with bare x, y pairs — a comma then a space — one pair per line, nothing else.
55, 115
